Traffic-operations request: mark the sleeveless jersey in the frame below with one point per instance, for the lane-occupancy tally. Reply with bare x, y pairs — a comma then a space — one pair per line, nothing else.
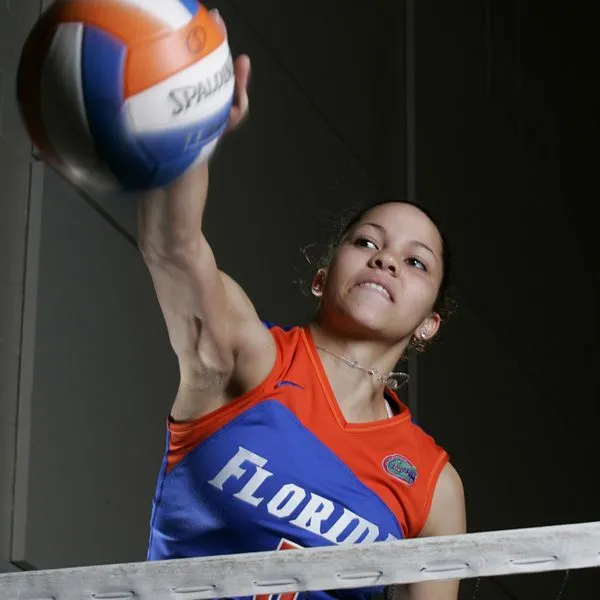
280, 468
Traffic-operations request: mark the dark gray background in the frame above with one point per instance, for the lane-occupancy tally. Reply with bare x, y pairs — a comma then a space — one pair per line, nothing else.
483, 110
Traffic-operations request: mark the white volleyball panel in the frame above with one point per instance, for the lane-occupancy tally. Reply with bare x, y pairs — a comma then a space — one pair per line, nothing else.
191, 95
63, 108
171, 12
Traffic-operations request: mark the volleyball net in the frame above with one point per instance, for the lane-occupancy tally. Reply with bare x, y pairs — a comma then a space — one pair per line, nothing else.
473, 555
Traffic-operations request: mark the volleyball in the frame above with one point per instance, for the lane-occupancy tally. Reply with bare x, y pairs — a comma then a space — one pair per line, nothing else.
125, 94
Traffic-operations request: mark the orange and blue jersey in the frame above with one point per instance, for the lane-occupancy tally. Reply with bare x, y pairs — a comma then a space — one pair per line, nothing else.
280, 468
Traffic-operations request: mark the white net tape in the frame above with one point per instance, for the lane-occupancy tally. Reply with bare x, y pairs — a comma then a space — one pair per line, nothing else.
451, 557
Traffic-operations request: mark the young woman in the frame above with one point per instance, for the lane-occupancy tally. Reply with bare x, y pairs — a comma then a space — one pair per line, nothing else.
293, 437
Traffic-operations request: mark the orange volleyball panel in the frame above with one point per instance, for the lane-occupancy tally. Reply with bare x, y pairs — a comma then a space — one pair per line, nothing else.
149, 63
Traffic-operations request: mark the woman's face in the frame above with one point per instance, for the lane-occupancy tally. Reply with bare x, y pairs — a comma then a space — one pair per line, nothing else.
385, 275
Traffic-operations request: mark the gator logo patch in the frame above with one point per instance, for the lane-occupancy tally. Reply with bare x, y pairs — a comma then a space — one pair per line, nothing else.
400, 468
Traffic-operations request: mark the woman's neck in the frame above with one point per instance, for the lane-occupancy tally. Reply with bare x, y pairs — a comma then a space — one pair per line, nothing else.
359, 394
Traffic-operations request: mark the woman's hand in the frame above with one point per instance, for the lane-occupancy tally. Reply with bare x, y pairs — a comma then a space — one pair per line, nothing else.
241, 67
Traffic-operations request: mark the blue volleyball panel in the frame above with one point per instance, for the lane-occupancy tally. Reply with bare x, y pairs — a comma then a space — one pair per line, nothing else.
102, 68
174, 150
191, 5
169, 171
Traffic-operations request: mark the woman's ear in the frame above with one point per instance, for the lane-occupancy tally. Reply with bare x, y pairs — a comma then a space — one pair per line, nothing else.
318, 283
429, 327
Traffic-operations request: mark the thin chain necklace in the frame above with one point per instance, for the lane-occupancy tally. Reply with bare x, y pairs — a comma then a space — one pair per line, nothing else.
392, 380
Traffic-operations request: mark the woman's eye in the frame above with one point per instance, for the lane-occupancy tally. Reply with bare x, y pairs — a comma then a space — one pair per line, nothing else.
366, 243
415, 262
